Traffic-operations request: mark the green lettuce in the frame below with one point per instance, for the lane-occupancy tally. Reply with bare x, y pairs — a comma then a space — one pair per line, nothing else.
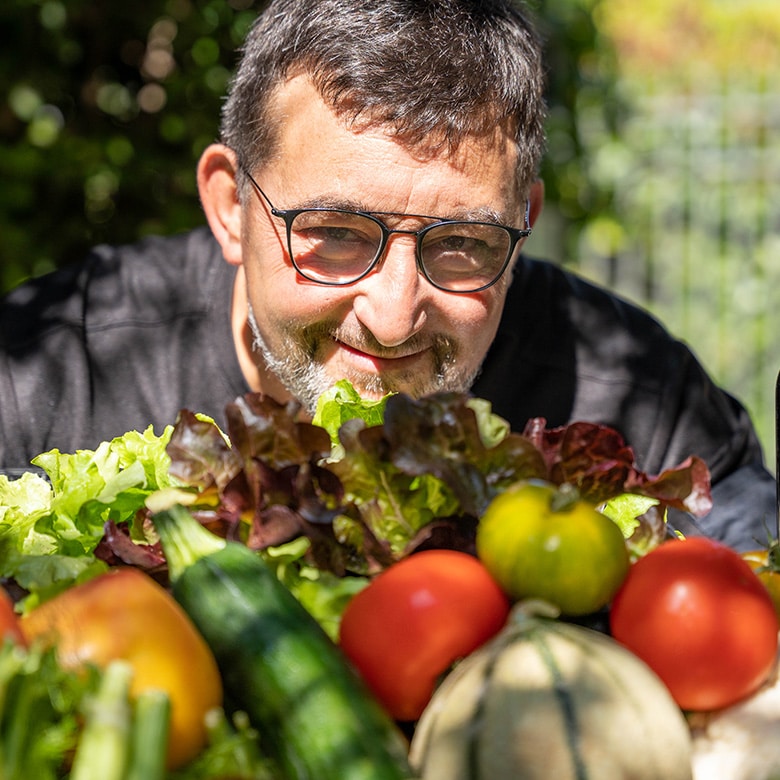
50, 527
365, 484
370, 489
341, 403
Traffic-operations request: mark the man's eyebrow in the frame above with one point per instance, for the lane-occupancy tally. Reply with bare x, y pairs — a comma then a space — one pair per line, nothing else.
479, 214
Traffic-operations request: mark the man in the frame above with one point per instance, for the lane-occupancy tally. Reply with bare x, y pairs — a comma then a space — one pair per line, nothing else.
373, 187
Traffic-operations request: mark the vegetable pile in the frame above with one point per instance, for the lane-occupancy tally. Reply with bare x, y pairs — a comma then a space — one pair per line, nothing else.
322, 580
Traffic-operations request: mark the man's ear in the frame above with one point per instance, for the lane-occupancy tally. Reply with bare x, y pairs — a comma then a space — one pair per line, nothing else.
536, 197
219, 198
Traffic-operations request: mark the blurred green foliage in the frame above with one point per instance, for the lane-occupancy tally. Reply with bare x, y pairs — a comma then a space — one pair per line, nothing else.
105, 108
582, 98
692, 228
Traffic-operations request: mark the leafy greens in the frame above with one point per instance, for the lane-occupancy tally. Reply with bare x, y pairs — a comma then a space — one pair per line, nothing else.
365, 484
422, 477
51, 529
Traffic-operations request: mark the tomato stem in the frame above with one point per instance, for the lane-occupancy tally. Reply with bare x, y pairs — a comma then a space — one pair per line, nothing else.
772, 556
564, 498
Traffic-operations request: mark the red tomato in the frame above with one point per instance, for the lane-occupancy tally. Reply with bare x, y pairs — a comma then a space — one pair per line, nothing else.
408, 626
9, 620
696, 613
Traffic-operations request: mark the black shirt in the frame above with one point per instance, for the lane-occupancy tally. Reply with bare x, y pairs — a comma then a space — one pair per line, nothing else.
139, 332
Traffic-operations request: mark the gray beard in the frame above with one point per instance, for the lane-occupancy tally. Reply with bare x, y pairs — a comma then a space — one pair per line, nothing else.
306, 379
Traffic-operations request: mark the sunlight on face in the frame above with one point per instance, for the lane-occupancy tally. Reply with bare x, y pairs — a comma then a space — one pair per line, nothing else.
391, 330
296, 363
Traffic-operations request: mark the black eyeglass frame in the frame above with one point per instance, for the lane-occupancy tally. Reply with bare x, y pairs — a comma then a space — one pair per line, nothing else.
288, 216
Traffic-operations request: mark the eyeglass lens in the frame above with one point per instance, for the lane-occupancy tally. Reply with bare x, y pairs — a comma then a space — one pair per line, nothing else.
339, 247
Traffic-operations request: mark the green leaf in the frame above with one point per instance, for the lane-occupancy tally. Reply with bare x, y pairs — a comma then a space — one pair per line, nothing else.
322, 593
49, 530
492, 428
39, 712
626, 510
341, 403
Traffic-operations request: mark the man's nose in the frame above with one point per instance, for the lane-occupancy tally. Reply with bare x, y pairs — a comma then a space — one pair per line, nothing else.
391, 300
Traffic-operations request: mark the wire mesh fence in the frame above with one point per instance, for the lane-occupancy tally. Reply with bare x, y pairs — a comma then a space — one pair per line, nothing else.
695, 233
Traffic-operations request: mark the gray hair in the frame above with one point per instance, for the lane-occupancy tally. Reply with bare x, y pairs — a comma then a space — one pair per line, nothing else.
431, 71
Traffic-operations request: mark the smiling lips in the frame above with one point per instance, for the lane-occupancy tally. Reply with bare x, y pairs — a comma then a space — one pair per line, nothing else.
380, 363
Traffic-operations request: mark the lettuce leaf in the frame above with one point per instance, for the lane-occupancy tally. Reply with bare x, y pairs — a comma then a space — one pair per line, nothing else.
322, 593
341, 403
51, 527
365, 484
420, 477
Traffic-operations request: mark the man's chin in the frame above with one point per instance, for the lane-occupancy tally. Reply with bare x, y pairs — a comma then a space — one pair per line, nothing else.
370, 387
374, 387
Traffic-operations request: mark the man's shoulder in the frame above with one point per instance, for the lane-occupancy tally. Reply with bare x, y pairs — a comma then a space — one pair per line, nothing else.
177, 258
567, 349
121, 341
575, 292
153, 278
564, 308
112, 283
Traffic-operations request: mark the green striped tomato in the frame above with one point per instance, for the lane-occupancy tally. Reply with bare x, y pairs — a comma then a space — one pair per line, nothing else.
542, 542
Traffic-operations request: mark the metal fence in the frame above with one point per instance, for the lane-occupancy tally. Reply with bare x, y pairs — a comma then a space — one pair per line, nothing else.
695, 235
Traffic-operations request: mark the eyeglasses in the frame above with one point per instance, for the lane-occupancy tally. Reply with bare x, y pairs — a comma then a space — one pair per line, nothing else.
339, 247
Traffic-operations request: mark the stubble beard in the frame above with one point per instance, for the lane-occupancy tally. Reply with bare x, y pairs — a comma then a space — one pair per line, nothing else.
298, 368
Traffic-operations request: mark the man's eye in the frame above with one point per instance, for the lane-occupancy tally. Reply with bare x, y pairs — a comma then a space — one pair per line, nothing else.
453, 243
339, 233
335, 235
458, 242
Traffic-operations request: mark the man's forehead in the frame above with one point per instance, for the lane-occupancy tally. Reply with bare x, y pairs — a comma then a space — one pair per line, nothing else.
299, 96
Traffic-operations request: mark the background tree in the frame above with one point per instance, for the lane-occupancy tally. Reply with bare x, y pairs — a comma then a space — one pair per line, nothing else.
105, 108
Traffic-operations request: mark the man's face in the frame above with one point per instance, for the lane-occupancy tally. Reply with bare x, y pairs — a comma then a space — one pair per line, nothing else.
391, 330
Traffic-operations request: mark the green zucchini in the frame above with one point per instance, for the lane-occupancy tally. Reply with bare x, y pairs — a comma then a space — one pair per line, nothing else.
313, 715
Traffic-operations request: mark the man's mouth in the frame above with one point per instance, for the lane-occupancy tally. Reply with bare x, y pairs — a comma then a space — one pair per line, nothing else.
379, 362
